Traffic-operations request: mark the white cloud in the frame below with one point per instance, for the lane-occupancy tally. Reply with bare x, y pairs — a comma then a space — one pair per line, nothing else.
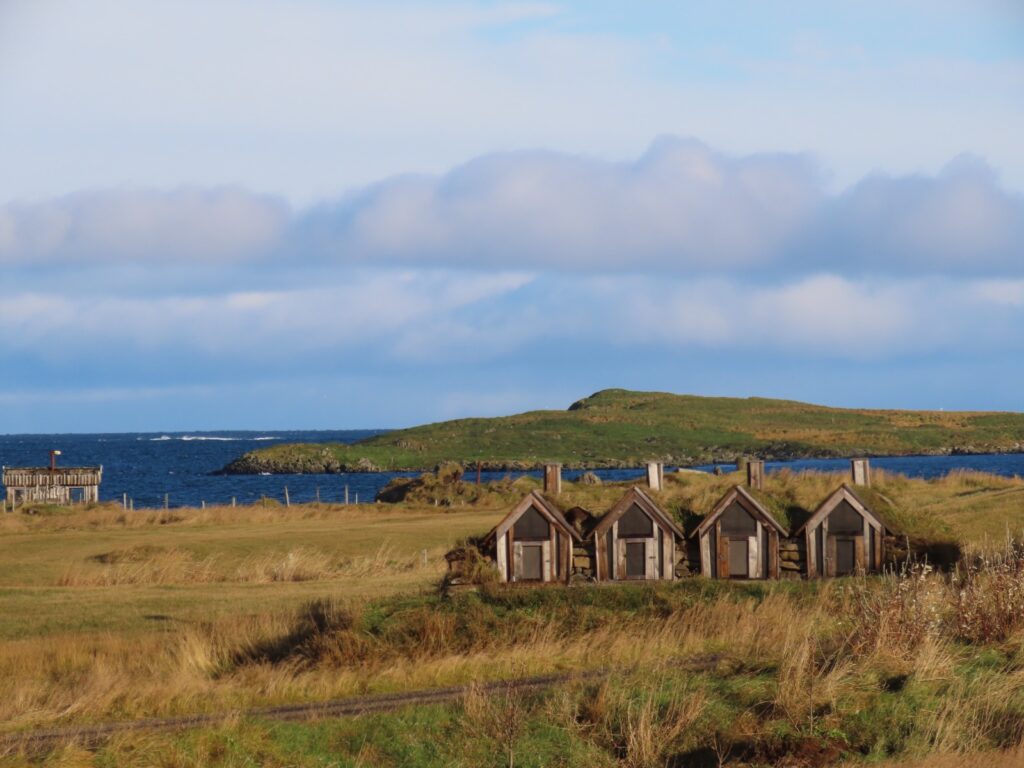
375, 309
415, 318
962, 220
135, 225
815, 315
1007, 293
680, 207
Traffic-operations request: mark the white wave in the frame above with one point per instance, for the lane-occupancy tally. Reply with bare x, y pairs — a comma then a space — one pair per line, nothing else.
189, 438
266, 438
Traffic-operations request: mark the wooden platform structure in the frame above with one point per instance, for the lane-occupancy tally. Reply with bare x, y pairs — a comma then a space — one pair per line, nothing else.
61, 485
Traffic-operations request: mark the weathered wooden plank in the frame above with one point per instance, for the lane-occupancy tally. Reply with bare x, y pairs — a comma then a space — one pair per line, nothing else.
722, 555
502, 553
773, 553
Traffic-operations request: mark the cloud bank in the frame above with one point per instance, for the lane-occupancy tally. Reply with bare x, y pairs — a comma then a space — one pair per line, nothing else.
681, 207
533, 275
142, 225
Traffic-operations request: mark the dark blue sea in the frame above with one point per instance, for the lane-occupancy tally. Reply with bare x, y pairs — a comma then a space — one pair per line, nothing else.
146, 466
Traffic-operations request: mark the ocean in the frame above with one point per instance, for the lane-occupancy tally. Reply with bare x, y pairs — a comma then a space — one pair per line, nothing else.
146, 466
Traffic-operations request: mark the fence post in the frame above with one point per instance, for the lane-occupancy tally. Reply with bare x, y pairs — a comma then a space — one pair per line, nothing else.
287, 499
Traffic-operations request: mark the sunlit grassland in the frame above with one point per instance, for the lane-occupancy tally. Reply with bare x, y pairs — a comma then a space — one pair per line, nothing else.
107, 615
374, 550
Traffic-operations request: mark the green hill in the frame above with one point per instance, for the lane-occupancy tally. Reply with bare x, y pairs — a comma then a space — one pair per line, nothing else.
618, 428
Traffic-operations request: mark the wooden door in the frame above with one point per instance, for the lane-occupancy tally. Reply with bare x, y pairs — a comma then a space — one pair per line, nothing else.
638, 558
532, 561
721, 553
739, 558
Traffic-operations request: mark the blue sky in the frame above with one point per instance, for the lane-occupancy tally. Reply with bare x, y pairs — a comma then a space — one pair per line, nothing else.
322, 214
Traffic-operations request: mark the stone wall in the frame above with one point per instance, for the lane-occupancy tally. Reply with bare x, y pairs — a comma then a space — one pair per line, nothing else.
792, 558
582, 562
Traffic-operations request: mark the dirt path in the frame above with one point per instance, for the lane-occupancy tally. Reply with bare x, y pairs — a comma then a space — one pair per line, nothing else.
44, 740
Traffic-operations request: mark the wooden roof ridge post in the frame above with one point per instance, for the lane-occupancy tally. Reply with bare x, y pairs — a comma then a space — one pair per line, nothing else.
755, 474
553, 479
655, 475
860, 471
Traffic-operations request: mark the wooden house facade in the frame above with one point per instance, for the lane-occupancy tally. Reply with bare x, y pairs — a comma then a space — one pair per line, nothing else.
635, 540
739, 538
843, 537
533, 543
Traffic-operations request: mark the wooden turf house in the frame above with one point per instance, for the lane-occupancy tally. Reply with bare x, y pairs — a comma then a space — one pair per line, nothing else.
635, 540
739, 538
533, 542
843, 536
743, 536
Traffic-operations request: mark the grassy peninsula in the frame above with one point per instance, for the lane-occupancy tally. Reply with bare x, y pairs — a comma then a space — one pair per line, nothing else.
620, 428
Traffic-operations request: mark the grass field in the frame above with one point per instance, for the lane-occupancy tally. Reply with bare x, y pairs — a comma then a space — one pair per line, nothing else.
358, 552
107, 616
622, 428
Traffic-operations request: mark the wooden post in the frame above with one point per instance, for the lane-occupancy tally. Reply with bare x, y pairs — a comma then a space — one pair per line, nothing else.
478, 473
124, 501
860, 469
318, 494
167, 500
203, 502
424, 556
234, 502
287, 499
132, 503
755, 474
357, 498
553, 479
346, 494
655, 475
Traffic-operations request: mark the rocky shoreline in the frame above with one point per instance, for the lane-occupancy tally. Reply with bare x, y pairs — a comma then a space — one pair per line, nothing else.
323, 461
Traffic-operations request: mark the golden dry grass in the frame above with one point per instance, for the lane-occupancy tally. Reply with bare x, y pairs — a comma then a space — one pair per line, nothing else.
157, 565
112, 616
169, 569
1005, 759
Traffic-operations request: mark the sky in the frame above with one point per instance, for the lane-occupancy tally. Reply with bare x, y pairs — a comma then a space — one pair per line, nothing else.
259, 214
